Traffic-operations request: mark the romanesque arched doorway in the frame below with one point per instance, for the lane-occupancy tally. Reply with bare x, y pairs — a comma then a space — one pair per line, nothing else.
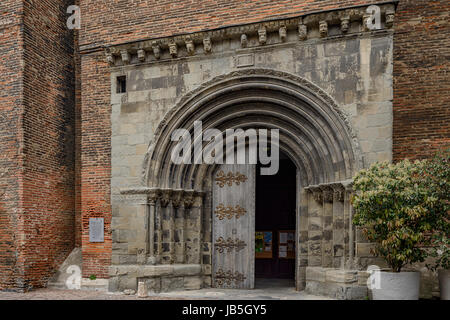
313, 134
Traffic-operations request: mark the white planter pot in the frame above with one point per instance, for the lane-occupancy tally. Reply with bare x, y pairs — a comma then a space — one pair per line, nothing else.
444, 283
397, 286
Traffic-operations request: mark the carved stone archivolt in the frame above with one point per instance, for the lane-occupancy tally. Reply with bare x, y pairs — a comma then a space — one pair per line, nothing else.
223, 179
229, 212
228, 277
230, 244
321, 21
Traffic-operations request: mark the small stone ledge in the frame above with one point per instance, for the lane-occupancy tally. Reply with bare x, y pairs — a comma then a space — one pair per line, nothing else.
139, 271
335, 283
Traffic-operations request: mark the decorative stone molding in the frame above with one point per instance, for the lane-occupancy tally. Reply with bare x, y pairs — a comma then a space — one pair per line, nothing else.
326, 191
188, 198
177, 198
123, 54
339, 191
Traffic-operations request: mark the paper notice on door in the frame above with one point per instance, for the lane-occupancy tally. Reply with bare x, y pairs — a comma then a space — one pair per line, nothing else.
282, 254
283, 237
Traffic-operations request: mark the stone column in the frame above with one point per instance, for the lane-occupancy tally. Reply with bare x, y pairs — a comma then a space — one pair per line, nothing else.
176, 229
302, 226
327, 238
350, 247
315, 206
152, 199
196, 214
166, 214
188, 200
338, 225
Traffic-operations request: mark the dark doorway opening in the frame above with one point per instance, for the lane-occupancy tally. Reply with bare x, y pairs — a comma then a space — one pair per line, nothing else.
275, 219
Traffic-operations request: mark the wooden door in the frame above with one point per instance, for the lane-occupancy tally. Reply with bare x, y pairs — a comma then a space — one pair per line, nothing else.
234, 226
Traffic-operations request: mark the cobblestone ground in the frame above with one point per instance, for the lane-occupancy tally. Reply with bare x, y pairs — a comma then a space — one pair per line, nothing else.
56, 294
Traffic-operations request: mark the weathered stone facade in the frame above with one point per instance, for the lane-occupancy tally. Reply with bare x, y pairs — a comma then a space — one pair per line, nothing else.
338, 66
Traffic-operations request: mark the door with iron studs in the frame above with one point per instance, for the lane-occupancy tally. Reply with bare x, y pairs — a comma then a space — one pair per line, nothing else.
234, 226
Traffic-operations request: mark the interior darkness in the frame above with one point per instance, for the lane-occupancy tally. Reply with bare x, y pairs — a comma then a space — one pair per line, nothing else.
275, 211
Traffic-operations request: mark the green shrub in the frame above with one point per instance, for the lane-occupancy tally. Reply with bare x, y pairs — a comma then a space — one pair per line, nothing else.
396, 210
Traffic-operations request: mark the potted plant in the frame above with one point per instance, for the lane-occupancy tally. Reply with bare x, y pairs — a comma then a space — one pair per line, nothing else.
435, 176
393, 210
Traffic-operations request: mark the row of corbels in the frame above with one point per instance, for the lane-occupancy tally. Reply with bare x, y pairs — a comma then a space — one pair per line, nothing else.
323, 20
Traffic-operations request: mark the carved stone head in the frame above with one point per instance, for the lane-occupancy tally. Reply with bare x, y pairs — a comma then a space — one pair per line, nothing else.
173, 49
190, 47
283, 33
323, 28
244, 40
262, 33
207, 45
156, 50
302, 32
345, 23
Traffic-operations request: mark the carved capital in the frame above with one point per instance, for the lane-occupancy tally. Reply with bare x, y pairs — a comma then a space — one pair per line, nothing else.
153, 196
165, 198
339, 191
390, 16
188, 198
177, 198
327, 192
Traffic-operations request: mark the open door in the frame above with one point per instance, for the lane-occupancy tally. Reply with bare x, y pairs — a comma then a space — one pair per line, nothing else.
234, 226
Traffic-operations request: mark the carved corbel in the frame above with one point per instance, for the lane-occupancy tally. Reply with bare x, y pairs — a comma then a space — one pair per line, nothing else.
283, 33
141, 54
156, 49
190, 46
345, 23
244, 40
110, 58
125, 56
207, 45
323, 28
166, 196
173, 48
302, 32
390, 16
262, 34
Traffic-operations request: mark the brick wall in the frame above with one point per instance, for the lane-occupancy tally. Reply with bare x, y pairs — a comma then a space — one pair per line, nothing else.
118, 21
11, 70
42, 136
421, 78
96, 160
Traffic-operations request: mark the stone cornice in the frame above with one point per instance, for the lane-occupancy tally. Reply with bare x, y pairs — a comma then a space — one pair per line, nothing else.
352, 20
